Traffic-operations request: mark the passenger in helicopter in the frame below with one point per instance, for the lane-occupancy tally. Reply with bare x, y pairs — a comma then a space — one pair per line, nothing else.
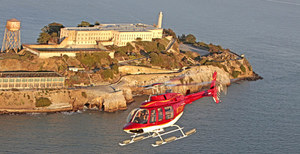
141, 117
153, 116
144, 117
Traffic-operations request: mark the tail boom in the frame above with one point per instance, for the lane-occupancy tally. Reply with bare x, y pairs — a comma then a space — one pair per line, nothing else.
213, 92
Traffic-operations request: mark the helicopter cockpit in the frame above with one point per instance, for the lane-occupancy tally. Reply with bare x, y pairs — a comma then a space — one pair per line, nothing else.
138, 116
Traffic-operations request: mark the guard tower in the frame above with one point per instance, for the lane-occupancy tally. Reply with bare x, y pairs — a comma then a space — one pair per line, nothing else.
12, 38
160, 17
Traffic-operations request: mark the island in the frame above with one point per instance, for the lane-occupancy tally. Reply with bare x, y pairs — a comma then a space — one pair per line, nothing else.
103, 66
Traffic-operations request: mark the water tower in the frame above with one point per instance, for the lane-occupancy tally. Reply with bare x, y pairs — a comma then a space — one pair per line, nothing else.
12, 40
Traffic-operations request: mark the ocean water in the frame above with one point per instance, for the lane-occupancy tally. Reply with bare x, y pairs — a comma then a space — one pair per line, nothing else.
254, 117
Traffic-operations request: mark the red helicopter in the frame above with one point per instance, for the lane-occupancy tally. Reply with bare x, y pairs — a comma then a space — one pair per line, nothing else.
163, 111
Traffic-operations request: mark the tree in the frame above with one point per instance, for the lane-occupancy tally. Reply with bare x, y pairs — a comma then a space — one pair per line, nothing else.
52, 28
84, 24
50, 32
43, 38
97, 23
169, 32
190, 39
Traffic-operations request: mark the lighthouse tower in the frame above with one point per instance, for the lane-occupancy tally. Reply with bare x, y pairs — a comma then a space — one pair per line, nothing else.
160, 17
11, 40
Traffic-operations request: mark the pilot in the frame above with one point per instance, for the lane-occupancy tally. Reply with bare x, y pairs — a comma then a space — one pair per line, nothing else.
137, 119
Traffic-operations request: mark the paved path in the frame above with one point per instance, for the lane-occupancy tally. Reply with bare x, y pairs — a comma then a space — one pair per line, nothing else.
188, 47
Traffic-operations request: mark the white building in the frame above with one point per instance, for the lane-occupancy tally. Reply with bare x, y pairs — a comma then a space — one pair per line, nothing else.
111, 34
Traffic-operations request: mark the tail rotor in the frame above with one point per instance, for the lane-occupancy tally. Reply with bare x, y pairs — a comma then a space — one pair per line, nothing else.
217, 88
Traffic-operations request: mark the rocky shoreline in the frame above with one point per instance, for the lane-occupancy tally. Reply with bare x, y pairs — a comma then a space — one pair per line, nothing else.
110, 98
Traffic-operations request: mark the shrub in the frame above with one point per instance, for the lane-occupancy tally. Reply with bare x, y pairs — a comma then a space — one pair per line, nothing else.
83, 94
203, 61
190, 39
160, 47
42, 102
115, 68
106, 74
66, 57
250, 68
94, 59
235, 74
225, 68
243, 69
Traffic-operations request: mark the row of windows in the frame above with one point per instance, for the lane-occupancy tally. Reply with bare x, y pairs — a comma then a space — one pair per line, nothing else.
31, 79
32, 85
94, 34
86, 42
142, 115
93, 38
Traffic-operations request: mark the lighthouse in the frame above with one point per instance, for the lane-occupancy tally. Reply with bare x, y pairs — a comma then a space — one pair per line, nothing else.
159, 22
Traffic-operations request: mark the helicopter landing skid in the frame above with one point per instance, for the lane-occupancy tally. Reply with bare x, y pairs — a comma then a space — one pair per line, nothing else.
173, 138
139, 137
135, 138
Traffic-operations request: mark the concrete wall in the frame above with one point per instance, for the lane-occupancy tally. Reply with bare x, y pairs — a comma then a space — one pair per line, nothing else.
53, 54
142, 70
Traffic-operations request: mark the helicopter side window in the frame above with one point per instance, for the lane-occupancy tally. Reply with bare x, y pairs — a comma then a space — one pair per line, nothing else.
169, 112
141, 116
153, 116
160, 114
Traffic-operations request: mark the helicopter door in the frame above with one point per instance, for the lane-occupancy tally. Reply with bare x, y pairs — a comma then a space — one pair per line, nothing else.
153, 116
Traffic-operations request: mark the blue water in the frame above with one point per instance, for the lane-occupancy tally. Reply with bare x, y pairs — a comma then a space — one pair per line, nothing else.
254, 117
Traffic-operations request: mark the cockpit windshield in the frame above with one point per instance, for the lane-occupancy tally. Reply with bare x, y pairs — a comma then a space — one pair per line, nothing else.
131, 114
141, 116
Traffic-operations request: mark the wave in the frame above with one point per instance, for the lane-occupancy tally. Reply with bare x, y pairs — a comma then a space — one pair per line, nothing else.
283, 2
71, 113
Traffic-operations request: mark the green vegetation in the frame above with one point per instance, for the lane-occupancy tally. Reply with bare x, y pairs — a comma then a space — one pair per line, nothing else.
250, 68
97, 23
43, 38
191, 39
225, 68
50, 32
160, 47
123, 51
42, 102
235, 74
148, 46
167, 61
85, 24
93, 60
213, 63
83, 94
107, 74
115, 69
169, 32
243, 69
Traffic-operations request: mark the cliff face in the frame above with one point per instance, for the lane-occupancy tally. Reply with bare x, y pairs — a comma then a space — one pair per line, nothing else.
26, 100
197, 74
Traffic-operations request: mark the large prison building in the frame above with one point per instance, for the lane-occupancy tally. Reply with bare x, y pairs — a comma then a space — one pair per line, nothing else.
112, 34
31, 80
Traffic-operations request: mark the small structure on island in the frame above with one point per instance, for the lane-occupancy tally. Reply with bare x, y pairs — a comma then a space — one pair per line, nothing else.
12, 38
